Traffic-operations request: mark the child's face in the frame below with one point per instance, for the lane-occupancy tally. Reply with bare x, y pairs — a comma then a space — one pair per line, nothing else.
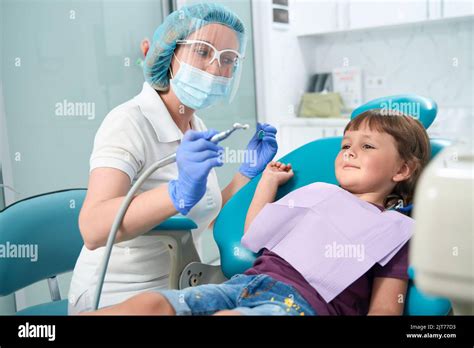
368, 162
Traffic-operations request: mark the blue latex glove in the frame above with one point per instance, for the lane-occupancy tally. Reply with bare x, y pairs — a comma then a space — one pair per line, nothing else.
260, 151
195, 157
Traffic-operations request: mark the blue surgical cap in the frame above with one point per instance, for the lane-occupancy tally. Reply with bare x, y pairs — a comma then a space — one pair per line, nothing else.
178, 26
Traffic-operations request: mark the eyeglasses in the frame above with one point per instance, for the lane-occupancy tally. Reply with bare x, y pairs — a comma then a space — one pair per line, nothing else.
203, 52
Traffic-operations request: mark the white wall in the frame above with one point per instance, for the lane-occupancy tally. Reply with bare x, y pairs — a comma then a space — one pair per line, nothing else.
432, 59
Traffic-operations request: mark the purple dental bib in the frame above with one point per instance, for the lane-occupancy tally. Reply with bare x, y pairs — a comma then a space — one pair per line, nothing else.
328, 235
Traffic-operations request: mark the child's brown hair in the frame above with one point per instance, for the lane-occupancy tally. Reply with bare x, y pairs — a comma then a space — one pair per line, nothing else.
412, 143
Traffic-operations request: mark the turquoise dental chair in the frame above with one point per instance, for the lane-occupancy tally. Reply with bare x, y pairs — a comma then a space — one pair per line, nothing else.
50, 221
315, 162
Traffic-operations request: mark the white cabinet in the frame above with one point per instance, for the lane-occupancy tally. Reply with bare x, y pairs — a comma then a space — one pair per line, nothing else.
366, 13
450, 8
313, 16
457, 8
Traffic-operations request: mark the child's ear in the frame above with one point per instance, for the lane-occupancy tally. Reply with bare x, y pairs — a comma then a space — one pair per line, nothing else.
405, 171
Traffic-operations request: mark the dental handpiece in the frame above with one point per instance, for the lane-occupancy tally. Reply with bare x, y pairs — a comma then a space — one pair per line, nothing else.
225, 134
102, 269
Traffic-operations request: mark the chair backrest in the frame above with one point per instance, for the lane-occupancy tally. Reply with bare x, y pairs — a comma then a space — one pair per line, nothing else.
47, 223
312, 162
421, 108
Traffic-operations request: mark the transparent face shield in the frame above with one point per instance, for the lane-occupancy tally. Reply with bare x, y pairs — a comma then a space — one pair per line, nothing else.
207, 65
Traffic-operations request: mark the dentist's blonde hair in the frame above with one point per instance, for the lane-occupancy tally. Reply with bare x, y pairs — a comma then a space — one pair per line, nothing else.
413, 146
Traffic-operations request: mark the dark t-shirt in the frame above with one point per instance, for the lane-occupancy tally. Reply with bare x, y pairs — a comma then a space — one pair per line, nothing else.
354, 300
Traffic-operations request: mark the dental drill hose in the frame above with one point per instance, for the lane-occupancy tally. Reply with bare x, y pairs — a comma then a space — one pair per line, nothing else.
118, 221
126, 203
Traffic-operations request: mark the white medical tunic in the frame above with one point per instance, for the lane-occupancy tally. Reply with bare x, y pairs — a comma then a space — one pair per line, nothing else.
131, 138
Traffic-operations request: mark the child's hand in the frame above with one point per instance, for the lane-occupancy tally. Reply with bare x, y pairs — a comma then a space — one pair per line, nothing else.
277, 172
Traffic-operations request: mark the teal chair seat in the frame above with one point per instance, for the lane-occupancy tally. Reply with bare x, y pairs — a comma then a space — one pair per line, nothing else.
50, 308
418, 303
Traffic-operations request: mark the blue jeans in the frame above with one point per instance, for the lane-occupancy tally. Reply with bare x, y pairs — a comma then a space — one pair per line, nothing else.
247, 294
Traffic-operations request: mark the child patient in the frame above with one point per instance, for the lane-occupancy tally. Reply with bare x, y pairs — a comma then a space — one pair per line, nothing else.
380, 160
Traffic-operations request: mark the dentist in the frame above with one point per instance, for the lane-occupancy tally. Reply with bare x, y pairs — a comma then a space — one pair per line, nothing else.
195, 61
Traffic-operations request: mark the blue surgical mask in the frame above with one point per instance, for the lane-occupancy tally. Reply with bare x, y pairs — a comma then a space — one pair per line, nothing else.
198, 89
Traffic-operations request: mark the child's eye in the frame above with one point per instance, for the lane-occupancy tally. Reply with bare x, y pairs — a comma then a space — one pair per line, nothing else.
344, 147
370, 146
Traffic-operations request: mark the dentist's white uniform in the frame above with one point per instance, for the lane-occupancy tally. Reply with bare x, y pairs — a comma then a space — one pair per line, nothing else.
131, 138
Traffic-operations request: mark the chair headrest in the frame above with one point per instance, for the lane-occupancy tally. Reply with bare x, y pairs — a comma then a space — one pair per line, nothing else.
421, 108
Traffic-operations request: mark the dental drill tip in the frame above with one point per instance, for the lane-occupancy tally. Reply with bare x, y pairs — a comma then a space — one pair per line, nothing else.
240, 126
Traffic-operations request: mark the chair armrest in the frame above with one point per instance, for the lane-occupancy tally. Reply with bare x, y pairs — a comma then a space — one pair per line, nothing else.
176, 233
175, 223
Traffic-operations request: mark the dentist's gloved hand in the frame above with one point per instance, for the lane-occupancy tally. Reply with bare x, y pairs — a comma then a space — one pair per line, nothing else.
196, 156
259, 151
